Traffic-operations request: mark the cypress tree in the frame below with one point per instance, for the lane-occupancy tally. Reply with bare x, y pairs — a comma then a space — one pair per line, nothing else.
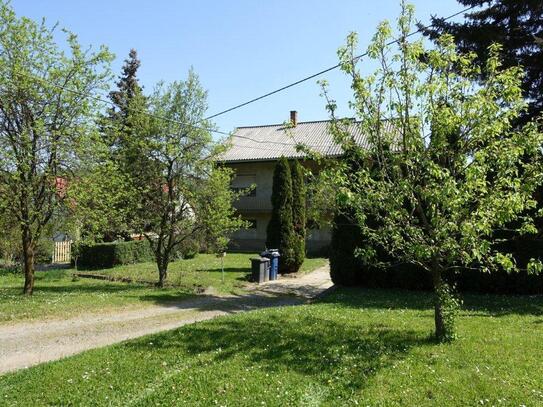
280, 231
298, 211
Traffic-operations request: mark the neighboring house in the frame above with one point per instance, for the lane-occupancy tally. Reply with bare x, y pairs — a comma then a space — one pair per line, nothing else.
253, 153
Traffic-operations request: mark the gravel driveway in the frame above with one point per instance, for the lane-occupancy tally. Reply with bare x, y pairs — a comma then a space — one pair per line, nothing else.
24, 344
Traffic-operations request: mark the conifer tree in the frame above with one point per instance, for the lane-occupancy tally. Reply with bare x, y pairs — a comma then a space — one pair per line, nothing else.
298, 211
127, 88
121, 132
517, 26
280, 232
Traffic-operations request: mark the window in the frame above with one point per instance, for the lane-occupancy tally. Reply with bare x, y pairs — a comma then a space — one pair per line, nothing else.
244, 181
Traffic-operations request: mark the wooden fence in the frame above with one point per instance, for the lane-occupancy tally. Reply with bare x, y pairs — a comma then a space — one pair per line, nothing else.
62, 253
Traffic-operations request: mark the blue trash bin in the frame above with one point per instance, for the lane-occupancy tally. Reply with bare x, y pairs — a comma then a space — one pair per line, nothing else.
273, 255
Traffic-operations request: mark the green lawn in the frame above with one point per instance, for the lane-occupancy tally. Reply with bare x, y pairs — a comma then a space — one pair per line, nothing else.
355, 347
202, 272
57, 294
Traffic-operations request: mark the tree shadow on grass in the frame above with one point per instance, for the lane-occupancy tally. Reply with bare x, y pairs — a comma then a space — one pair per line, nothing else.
349, 352
479, 304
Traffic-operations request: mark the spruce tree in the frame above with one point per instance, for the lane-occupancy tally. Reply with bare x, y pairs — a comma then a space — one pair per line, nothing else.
117, 126
517, 26
127, 87
298, 211
122, 129
280, 231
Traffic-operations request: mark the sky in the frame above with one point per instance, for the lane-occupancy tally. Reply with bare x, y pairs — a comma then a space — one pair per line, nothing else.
240, 49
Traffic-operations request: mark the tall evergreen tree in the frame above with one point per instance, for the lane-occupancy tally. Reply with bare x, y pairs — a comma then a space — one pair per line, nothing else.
127, 87
518, 26
280, 232
121, 129
298, 211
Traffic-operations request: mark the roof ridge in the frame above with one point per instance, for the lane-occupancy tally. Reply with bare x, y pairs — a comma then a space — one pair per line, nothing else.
282, 124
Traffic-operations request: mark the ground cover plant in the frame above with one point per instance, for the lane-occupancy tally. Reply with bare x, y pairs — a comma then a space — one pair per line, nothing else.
354, 347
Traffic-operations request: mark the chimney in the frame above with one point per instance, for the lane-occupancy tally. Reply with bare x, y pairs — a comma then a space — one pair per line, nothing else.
294, 117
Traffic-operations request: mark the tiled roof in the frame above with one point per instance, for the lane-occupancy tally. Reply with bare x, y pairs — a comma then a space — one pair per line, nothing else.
263, 143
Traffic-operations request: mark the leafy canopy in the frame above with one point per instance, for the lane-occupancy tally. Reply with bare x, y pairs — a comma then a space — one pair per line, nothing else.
445, 167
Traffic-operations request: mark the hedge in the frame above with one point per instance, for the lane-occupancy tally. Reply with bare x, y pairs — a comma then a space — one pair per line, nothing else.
106, 255
347, 270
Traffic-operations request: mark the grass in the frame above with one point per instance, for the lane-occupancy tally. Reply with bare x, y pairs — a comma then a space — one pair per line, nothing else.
203, 271
58, 295
354, 347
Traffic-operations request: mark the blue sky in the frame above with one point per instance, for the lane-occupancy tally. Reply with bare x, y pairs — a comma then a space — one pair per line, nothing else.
240, 48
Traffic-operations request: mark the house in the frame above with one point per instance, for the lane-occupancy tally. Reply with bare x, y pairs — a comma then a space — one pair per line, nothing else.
253, 153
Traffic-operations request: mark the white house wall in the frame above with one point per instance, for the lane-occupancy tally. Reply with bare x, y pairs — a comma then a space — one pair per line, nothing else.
258, 208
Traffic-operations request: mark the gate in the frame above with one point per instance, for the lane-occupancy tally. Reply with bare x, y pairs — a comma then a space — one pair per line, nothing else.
62, 253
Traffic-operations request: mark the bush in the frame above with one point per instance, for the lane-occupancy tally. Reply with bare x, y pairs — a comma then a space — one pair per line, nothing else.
347, 270
106, 255
344, 266
190, 250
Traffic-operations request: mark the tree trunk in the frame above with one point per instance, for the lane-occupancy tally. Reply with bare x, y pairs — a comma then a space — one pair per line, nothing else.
28, 263
162, 263
162, 274
443, 308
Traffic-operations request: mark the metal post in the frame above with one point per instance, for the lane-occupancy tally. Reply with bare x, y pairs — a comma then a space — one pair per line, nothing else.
222, 268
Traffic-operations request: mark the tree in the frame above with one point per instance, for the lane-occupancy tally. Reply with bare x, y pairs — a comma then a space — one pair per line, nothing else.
298, 212
46, 112
128, 87
518, 26
120, 133
280, 230
446, 166
181, 194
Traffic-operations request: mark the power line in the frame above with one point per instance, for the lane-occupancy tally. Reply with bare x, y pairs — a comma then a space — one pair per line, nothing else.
290, 85
109, 102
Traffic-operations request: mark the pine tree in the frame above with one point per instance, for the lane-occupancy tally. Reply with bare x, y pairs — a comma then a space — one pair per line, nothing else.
298, 211
280, 232
518, 26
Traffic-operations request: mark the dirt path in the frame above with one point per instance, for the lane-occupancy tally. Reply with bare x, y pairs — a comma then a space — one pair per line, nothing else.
29, 343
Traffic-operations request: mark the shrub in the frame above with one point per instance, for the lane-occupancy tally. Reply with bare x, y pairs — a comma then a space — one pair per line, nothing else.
106, 255
347, 270
190, 249
344, 266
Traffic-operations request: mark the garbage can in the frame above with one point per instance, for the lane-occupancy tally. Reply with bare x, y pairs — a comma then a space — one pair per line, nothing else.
273, 255
259, 268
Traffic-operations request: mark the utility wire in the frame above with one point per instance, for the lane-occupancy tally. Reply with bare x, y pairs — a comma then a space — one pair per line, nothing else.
307, 78
109, 102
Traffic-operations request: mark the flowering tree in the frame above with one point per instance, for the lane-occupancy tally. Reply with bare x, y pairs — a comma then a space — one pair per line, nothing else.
180, 194
444, 168
46, 112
